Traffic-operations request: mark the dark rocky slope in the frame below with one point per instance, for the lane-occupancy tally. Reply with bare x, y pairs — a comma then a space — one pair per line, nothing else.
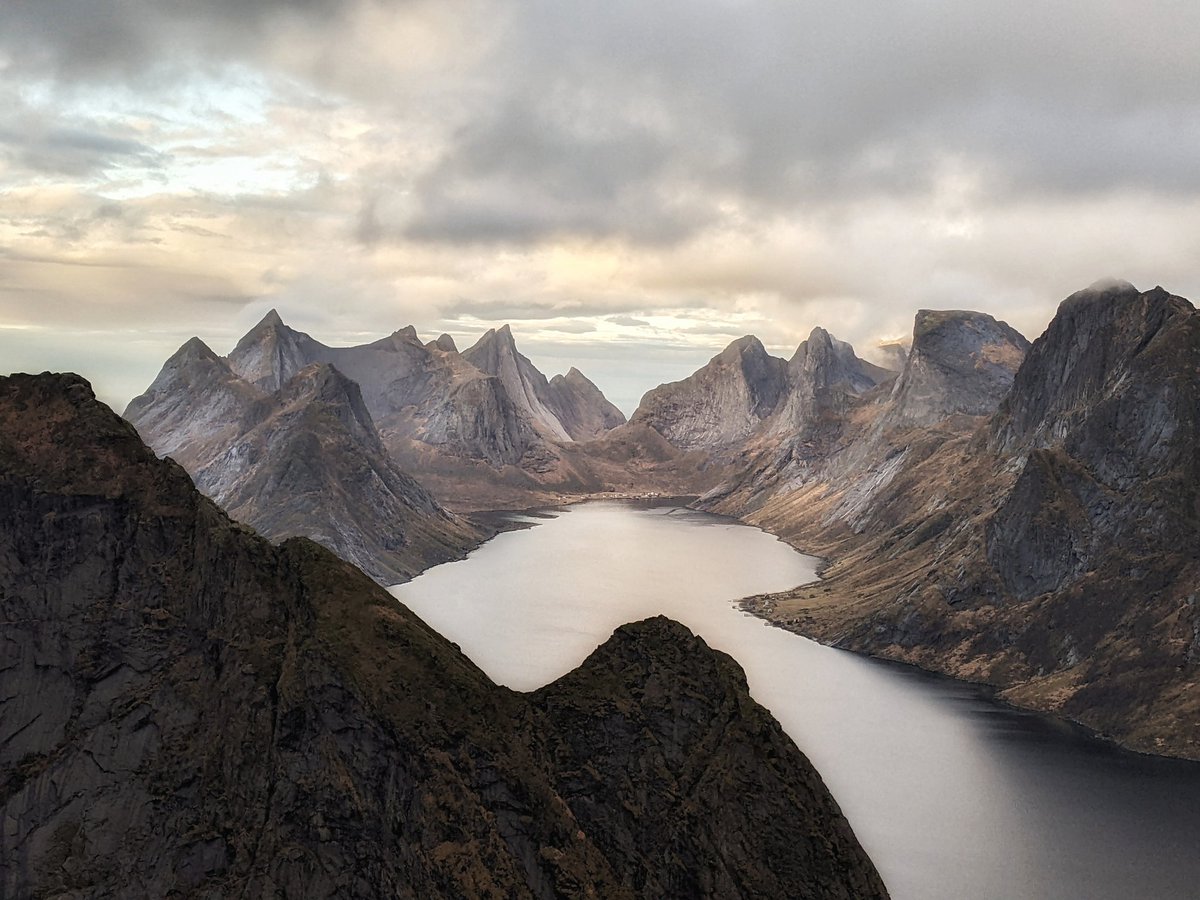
187, 710
1049, 549
302, 461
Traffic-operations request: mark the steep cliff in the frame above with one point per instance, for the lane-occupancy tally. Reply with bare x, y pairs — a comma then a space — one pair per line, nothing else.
187, 710
1050, 549
567, 408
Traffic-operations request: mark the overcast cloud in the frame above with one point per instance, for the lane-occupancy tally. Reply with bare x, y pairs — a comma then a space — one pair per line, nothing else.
654, 177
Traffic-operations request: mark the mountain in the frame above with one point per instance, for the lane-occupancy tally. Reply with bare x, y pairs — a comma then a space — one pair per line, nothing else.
1050, 547
960, 363
824, 378
720, 404
304, 460
850, 427
188, 710
585, 413
568, 408
745, 398
416, 393
195, 405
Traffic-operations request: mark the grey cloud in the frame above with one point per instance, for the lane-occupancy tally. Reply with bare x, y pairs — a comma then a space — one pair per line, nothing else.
70, 38
72, 150
603, 115
629, 321
570, 327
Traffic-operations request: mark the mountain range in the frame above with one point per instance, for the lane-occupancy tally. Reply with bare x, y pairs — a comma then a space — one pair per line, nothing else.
1019, 514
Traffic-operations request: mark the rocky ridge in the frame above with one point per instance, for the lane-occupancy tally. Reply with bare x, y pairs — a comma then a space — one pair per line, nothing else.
187, 710
302, 461
744, 396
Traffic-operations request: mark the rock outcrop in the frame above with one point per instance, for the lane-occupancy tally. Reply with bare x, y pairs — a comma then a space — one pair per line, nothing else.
188, 710
302, 461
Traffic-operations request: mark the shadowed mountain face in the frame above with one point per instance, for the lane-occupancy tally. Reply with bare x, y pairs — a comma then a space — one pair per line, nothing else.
1049, 548
304, 460
188, 710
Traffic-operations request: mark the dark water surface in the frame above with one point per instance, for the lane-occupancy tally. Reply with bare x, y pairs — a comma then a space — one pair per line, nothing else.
954, 796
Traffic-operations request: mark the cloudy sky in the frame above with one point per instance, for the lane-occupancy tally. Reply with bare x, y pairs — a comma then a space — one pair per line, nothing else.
631, 185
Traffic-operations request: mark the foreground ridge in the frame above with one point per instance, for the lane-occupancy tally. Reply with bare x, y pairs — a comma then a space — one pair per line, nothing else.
187, 709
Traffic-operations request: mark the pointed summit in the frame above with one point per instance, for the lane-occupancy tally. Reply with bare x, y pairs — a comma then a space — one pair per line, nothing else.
581, 407
446, 344
496, 354
270, 353
195, 349
721, 403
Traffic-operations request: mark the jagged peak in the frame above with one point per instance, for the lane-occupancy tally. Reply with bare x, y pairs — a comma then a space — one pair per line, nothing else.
194, 348
747, 344
270, 320
819, 336
446, 343
407, 333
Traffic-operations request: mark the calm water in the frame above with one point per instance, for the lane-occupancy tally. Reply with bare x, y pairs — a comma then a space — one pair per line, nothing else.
953, 796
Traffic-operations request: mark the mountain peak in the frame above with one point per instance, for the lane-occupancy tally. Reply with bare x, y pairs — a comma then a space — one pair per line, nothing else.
819, 336
747, 344
446, 343
194, 349
408, 333
961, 362
270, 320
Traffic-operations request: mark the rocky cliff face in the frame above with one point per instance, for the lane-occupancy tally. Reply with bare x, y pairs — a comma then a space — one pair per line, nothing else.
496, 354
746, 400
961, 363
271, 353
303, 461
1050, 548
824, 379
583, 410
720, 404
195, 405
187, 710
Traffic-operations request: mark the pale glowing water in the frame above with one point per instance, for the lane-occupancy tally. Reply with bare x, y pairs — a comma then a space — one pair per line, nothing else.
953, 796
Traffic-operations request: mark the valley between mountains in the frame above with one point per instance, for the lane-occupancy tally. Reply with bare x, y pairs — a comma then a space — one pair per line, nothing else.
1020, 514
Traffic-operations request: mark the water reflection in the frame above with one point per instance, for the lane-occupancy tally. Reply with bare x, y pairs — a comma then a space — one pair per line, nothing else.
954, 796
